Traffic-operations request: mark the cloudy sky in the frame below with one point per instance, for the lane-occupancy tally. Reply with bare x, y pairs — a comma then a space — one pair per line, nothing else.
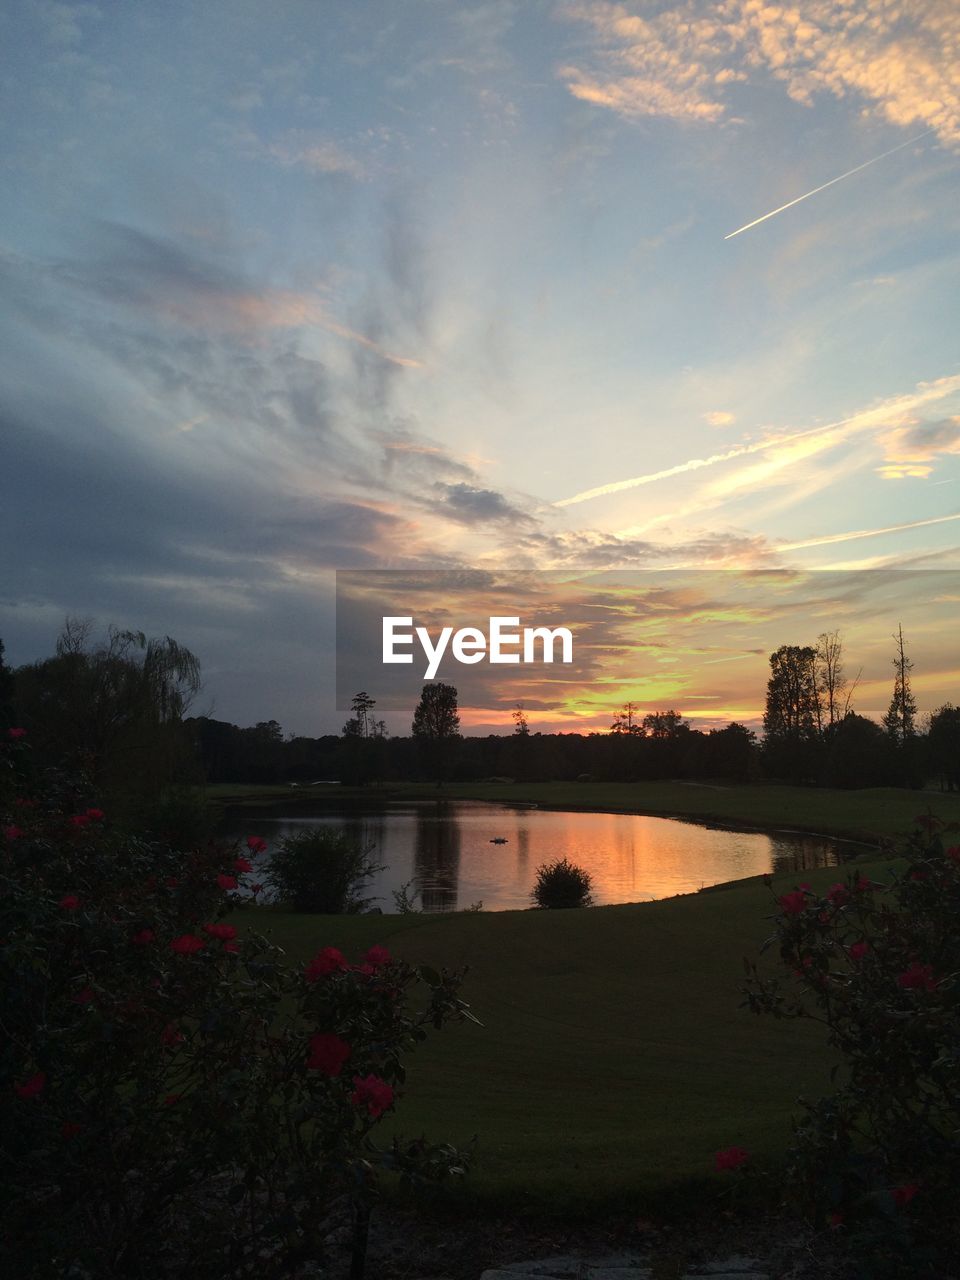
423, 284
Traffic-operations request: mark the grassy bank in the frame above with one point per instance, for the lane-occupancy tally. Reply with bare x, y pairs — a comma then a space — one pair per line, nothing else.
614, 1059
872, 815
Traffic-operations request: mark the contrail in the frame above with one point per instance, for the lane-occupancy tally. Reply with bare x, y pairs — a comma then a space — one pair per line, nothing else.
863, 533
850, 172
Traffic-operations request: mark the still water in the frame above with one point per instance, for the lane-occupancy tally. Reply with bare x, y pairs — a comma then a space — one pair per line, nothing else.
443, 851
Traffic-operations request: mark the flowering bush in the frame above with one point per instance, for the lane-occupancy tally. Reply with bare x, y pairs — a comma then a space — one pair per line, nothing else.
562, 884
175, 1095
879, 965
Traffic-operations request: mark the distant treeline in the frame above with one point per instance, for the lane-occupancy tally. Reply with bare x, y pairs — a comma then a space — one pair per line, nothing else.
854, 752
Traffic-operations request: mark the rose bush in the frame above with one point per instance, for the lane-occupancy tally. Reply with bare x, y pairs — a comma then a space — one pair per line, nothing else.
176, 1095
878, 964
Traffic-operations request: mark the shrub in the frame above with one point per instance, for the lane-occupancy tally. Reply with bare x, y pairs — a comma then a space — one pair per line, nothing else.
175, 1096
879, 966
321, 870
562, 884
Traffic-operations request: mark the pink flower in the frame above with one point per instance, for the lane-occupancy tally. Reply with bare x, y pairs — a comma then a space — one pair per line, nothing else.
16, 733
70, 902
69, 1129
838, 894
918, 977
859, 949
325, 962
171, 882
86, 996
953, 853
227, 882
256, 844
904, 1194
328, 1053
95, 815
793, 903
225, 932
731, 1158
256, 888
377, 956
863, 884
144, 938
233, 947
242, 864
171, 1035
373, 1093
79, 820
12, 832
187, 945
31, 1088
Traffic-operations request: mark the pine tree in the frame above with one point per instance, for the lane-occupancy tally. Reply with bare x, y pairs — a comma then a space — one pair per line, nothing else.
900, 720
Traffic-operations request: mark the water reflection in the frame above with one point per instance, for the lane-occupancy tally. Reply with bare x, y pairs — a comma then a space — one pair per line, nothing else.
445, 851
436, 857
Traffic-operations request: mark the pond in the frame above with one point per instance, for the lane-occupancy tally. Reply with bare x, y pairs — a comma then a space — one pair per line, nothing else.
445, 851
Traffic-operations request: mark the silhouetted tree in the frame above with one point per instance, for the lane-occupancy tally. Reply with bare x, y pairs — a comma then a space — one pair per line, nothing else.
625, 720
792, 714
943, 746
436, 726
900, 720
834, 691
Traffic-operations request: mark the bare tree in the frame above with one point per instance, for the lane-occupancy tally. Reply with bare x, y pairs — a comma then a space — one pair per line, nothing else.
900, 720
834, 690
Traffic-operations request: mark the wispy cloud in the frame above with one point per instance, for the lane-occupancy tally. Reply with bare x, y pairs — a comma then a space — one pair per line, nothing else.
828, 539
791, 445
682, 61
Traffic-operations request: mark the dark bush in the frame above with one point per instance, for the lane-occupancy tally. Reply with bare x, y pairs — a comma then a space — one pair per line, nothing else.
562, 884
321, 870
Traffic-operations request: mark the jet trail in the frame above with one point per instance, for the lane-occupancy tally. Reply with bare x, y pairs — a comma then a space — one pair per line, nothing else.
850, 172
864, 533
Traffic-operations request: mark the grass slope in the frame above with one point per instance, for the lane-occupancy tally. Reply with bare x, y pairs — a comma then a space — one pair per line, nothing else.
873, 814
614, 1059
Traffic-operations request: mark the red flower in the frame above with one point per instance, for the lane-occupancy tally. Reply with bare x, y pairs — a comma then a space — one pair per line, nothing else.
327, 961
377, 956
328, 1053
70, 902
144, 938
96, 815
69, 1129
233, 947
903, 1195
793, 903
918, 977
31, 1088
373, 1093
731, 1158
863, 884
242, 864
86, 996
953, 853
835, 1220
838, 894
171, 882
172, 1099
12, 832
79, 820
256, 888
859, 949
225, 932
227, 882
187, 945
256, 844
16, 733
918, 874
171, 1035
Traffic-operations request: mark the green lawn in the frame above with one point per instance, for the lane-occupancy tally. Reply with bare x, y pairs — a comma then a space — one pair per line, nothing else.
871, 814
614, 1059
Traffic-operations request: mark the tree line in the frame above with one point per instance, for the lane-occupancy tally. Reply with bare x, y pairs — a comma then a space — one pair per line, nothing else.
118, 709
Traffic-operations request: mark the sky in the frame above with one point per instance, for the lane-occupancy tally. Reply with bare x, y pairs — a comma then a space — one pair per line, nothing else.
418, 284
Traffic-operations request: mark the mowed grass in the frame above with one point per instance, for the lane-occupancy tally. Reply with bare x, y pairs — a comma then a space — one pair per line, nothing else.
872, 814
614, 1059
